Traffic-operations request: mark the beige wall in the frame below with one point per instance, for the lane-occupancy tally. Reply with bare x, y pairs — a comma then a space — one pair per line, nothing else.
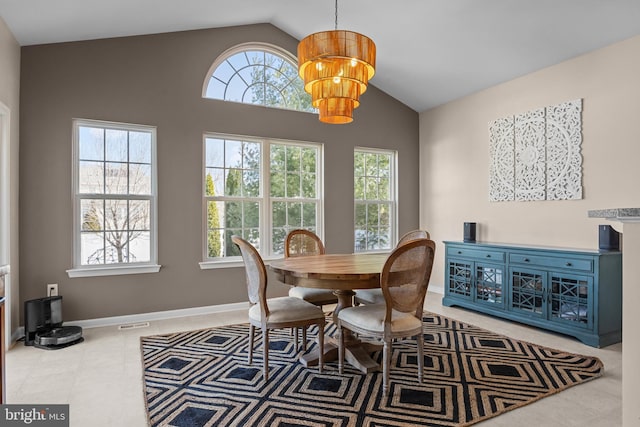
9, 97
157, 80
454, 154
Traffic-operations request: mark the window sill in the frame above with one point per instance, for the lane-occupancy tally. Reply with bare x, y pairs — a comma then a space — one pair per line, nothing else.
211, 265
113, 271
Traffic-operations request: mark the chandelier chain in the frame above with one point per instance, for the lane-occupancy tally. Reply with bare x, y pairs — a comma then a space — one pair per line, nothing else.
336, 14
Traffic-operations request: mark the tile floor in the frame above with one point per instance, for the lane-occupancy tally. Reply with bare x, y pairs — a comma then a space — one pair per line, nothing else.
101, 378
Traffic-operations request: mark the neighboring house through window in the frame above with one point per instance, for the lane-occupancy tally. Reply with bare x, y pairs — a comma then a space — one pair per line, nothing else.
374, 199
259, 74
114, 198
259, 189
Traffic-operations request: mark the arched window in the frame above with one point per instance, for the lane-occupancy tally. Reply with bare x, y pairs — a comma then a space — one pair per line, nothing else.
259, 74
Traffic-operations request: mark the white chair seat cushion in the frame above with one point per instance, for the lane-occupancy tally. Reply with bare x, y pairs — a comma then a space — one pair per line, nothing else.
287, 309
311, 294
370, 296
371, 318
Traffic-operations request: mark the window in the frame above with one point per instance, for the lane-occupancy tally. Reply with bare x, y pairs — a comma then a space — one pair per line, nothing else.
259, 74
115, 198
375, 199
259, 189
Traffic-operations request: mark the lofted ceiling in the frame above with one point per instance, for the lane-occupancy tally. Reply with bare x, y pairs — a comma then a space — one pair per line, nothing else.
429, 51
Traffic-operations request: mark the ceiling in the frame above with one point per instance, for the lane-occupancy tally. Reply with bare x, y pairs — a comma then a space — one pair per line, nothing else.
429, 51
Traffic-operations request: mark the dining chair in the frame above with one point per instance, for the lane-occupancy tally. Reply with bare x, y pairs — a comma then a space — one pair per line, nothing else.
300, 242
274, 313
374, 296
404, 280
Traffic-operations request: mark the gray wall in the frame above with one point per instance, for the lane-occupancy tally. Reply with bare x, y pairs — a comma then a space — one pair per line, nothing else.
157, 80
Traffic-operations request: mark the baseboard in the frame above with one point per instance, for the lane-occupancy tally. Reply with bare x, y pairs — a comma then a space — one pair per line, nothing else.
436, 289
169, 314
158, 315
144, 317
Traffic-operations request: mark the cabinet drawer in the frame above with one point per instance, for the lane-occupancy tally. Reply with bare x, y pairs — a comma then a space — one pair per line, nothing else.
578, 264
476, 254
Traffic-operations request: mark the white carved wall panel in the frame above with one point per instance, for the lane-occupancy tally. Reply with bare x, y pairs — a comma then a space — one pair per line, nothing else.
530, 155
564, 161
501, 150
536, 155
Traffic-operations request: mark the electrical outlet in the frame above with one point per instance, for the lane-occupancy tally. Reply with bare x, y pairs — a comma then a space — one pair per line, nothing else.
52, 289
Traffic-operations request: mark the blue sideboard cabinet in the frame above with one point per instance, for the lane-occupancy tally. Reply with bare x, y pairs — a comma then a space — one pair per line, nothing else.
572, 291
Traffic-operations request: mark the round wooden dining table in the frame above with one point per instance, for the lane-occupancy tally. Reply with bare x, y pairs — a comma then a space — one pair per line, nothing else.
342, 273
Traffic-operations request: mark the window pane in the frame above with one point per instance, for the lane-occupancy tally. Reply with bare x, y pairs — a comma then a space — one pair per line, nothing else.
214, 243
372, 215
115, 218
277, 184
117, 248
294, 213
358, 164
251, 155
214, 149
233, 215
140, 246
90, 143
293, 185
140, 147
233, 182
139, 179
371, 189
309, 215
278, 156
91, 215
91, 248
279, 234
91, 177
251, 183
384, 191
358, 188
233, 154
214, 181
309, 160
116, 181
293, 159
371, 164
116, 145
360, 215
251, 214
309, 185
279, 214
140, 215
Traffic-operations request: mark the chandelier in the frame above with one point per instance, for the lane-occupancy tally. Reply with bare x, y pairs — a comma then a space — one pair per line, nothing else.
336, 67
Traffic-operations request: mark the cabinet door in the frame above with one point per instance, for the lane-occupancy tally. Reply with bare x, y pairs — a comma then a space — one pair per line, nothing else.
489, 284
459, 275
571, 300
527, 292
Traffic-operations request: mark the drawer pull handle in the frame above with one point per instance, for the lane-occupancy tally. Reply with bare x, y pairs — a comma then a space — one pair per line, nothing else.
526, 260
488, 256
459, 252
568, 264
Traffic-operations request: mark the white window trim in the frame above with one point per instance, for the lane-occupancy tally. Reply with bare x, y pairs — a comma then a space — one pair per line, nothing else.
394, 197
266, 200
152, 266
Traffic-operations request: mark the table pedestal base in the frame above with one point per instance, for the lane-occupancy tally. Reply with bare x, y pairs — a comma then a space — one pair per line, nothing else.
356, 352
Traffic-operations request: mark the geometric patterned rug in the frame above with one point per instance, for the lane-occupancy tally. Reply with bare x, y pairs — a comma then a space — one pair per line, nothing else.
201, 378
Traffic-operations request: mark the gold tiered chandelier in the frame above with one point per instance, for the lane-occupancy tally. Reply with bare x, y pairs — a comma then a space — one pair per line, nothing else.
336, 67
